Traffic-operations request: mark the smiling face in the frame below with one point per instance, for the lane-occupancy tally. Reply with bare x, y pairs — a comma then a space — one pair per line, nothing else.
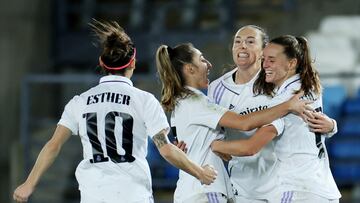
199, 70
277, 66
247, 47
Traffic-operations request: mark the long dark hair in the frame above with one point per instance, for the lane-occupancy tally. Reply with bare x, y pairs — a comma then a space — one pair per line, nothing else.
294, 47
117, 49
170, 63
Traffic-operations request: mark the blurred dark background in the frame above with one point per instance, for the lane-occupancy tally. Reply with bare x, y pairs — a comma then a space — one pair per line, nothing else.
47, 56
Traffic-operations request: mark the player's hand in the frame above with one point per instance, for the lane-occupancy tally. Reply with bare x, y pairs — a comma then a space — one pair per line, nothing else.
225, 157
181, 145
299, 106
23, 192
320, 123
208, 175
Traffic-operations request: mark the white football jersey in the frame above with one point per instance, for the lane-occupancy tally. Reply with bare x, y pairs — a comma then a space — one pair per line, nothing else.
196, 119
303, 159
251, 176
114, 120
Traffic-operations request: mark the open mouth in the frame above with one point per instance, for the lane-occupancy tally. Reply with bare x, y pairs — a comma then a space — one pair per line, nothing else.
243, 55
268, 73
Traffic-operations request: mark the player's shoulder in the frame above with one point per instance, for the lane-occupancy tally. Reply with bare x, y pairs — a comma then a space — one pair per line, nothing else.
142, 93
222, 78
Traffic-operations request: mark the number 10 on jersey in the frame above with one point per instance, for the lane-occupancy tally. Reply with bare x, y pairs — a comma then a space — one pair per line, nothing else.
92, 131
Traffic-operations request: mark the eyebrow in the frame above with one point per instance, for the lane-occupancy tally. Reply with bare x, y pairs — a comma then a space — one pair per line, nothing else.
246, 37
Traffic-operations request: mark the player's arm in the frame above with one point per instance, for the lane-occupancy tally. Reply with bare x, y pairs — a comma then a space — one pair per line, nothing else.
246, 147
321, 123
263, 117
44, 160
178, 158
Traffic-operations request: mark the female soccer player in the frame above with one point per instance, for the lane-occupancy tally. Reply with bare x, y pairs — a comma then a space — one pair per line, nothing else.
183, 71
304, 172
113, 120
252, 176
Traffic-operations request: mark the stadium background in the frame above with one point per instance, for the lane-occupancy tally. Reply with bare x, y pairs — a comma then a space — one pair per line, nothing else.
47, 57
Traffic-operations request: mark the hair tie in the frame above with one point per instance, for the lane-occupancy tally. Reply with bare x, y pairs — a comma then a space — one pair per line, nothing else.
102, 64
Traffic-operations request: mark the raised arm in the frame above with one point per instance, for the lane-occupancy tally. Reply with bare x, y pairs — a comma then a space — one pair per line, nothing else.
44, 160
263, 117
178, 158
246, 147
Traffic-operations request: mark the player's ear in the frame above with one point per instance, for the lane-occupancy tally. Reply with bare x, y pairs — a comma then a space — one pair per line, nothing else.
133, 64
189, 69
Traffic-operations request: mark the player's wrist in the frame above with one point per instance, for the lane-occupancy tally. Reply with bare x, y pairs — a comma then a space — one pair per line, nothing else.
333, 126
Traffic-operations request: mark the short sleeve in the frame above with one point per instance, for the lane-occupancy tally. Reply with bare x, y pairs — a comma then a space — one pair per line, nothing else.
279, 125
154, 117
68, 117
206, 112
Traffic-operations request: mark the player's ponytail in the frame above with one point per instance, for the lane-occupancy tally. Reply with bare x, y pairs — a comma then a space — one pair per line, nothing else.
170, 63
310, 80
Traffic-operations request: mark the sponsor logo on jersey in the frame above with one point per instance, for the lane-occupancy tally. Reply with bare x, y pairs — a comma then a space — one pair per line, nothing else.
250, 110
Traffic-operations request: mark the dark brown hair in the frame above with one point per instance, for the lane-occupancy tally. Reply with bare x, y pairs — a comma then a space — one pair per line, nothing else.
294, 47
117, 47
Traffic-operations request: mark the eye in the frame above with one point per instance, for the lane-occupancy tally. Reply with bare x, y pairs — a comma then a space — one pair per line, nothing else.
250, 41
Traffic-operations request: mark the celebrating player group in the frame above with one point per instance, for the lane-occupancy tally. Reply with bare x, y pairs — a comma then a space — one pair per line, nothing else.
264, 117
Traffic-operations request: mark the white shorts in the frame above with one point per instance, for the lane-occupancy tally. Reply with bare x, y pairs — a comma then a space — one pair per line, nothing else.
89, 198
210, 197
300, 197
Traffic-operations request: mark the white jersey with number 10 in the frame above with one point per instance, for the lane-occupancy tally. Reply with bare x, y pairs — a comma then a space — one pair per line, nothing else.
114, 120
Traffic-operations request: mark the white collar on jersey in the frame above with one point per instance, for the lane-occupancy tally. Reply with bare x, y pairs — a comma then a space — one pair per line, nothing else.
197, 91
228, 78
293, 79
116, 78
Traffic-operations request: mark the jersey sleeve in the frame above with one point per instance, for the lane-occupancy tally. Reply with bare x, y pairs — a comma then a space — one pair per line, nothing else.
206, 112
335, 129
154, 117
68, 117
279, 125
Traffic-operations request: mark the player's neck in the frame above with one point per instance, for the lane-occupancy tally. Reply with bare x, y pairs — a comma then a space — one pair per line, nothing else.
243, 76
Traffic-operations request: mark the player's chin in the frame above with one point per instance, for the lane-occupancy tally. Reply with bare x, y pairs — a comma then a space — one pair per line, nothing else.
205, 85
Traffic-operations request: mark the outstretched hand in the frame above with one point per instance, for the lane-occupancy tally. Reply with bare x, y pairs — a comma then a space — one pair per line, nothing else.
208, 175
